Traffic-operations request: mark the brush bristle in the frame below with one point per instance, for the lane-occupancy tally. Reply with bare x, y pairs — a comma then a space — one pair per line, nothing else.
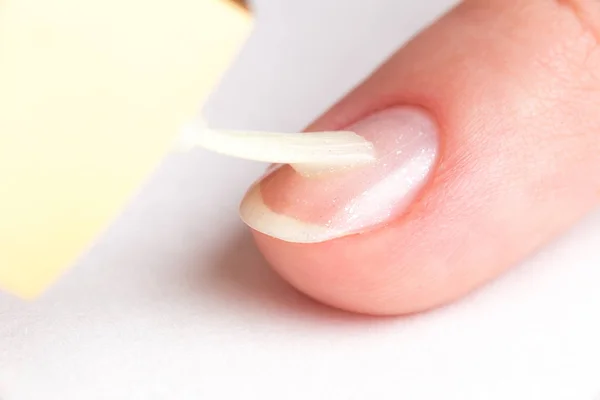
308, 153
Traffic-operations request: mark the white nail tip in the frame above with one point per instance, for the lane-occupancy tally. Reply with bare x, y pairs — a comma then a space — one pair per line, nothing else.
259, 217
307, 153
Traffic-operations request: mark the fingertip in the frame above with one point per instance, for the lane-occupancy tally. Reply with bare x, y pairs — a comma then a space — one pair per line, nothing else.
354, 274
517, 167
319, 271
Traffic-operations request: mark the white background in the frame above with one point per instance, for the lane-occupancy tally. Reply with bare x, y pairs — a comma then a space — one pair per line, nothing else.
175, 303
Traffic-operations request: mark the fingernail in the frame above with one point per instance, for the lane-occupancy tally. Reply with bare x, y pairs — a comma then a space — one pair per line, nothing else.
309, 209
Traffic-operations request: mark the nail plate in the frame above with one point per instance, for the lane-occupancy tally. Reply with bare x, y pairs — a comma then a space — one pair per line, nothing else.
302, 208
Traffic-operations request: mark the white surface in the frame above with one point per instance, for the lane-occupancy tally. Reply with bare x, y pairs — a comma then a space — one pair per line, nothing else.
175, 303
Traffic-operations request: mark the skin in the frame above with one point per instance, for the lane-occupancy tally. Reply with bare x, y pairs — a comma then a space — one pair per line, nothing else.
514, 86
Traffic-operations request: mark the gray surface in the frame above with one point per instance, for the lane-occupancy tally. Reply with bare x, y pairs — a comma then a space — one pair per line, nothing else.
175, 303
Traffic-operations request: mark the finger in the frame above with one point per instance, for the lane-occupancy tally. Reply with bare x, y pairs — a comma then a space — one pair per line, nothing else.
488, 135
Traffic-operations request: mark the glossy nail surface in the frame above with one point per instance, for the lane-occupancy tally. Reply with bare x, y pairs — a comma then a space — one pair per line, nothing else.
309, 209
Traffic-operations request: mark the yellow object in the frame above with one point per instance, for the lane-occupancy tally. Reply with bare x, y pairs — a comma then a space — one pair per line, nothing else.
92, 96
